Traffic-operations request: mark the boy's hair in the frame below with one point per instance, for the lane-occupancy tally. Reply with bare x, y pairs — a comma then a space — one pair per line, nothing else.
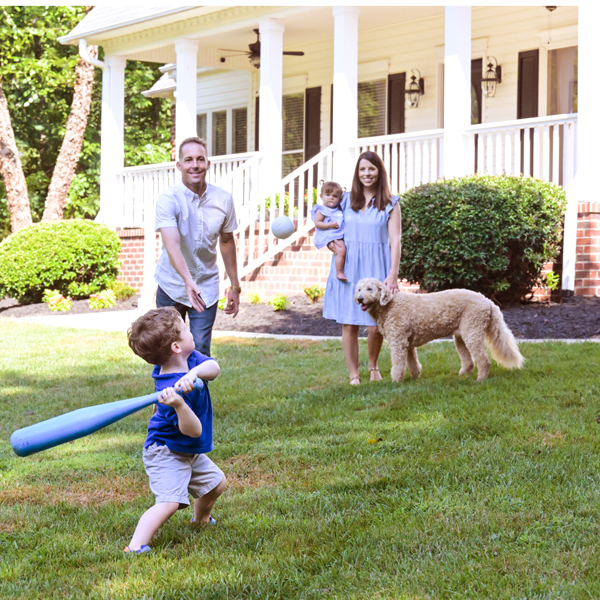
331, 187
192, 140
151, 335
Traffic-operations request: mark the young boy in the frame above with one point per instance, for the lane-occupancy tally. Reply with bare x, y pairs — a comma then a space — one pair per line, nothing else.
180, 430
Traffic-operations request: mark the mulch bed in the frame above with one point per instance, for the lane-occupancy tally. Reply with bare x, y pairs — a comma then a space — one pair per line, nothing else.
577, 317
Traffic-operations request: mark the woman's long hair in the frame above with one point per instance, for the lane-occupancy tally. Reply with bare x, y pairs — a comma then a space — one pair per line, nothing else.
383, 196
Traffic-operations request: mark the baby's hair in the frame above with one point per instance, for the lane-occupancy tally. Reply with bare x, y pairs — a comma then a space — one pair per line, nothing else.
151, 335
331, 187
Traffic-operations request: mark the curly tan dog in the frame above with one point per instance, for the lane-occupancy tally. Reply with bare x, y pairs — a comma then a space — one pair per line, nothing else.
408, 321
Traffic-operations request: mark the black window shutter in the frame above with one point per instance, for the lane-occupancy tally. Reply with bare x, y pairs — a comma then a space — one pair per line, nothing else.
256, 125
528, 84
312, 122
395, 108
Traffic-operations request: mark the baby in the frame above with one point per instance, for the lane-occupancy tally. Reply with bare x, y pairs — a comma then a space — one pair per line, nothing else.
329, 223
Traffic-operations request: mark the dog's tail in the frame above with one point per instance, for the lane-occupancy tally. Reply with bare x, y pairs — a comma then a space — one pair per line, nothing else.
502, 343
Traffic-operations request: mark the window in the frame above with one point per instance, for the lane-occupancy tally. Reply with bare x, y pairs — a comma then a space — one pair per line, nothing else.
562, 81
201, 126
240, 130
293, 132
371, 108
226, 131
219, 133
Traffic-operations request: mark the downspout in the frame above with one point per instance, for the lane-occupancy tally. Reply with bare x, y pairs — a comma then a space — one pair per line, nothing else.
83, 53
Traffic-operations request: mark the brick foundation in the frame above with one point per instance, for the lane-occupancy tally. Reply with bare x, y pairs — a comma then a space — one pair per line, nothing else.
587, 261
301, 264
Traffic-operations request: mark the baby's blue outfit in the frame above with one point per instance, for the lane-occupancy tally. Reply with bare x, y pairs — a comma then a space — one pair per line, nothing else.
324, 236
367, 255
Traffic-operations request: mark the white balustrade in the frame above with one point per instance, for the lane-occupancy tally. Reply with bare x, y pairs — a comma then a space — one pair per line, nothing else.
542, 147
409, 158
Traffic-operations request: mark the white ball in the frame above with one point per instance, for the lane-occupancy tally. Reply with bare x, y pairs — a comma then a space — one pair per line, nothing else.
282, 227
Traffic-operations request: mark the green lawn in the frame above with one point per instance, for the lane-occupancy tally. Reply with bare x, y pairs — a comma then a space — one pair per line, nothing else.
439, 488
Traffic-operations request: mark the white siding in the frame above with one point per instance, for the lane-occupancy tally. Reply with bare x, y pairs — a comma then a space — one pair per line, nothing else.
501, 32
225, 89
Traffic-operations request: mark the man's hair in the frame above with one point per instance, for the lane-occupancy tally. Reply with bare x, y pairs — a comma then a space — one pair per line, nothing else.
193, 140
331, 187
151, 335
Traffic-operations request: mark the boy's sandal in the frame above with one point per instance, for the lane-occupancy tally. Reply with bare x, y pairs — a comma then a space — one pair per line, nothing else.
355, 380
143, 549
211, 521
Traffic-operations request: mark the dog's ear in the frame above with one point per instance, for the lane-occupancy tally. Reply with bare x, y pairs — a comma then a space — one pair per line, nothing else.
386, 295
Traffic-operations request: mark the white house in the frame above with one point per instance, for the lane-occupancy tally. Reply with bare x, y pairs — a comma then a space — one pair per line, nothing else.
327, 82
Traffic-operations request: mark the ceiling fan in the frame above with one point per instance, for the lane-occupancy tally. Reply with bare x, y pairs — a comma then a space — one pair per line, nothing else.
253, 53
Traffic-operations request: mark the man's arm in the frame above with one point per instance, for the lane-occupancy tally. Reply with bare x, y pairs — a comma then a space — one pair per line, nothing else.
172, 242
228, 252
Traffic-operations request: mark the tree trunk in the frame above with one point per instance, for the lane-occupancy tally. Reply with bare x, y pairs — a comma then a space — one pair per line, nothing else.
12, 171
68, 157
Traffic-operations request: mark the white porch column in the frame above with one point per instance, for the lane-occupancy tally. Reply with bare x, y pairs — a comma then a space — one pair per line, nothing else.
584, 186
112, 145
270, 135
457, 90
345, 90
185, 96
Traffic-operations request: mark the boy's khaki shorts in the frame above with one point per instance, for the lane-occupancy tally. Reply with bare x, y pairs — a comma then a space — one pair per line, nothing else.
173, 474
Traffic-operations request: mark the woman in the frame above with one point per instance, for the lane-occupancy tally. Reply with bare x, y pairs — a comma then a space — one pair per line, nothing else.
372, 236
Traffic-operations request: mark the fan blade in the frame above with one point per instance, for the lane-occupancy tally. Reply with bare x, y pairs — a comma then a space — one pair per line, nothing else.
294, 53
239, 52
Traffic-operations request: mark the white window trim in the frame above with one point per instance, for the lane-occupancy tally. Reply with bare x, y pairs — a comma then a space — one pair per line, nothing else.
229, 127
565, 37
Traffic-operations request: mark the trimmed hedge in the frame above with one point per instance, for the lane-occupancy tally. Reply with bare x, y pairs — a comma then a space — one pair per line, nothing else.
76, 257
488, 233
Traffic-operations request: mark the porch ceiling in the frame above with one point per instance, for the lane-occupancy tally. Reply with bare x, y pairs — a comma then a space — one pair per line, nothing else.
303, 25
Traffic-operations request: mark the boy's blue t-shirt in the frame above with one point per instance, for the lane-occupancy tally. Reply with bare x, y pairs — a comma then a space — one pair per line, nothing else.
163, 427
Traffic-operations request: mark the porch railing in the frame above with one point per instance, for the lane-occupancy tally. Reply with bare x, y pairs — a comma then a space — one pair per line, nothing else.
409, 158
141, 186
293, 197
543, 147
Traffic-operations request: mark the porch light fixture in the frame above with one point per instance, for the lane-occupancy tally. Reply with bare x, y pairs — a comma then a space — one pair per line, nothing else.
493, 76
416, 89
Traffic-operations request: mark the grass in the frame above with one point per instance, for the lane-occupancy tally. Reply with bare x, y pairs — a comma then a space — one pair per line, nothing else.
439, 488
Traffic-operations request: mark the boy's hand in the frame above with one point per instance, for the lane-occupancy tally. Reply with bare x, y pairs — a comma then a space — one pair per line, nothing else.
186, 383
170, 398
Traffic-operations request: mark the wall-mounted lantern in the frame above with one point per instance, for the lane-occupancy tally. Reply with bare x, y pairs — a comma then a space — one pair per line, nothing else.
416, 88
493, 76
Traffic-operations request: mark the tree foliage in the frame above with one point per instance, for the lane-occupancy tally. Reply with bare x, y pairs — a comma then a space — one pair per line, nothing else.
38, 74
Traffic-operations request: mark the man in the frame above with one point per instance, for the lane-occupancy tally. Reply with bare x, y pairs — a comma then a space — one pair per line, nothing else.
191, 217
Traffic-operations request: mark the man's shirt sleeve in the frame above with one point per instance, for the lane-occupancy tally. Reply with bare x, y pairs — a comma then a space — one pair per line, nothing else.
166, 212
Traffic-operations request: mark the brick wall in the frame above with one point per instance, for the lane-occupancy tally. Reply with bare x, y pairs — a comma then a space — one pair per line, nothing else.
587, 262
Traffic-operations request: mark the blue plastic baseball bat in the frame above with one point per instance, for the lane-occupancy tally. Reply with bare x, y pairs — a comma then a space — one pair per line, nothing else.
78, 423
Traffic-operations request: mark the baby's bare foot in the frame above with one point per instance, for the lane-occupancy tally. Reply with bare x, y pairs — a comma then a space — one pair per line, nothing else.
341, 276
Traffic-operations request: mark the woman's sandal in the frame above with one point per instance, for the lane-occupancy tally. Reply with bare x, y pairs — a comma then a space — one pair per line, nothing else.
375, 369
355, 380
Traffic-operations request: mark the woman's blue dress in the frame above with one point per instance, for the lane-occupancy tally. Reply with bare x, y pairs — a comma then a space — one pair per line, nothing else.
367, 255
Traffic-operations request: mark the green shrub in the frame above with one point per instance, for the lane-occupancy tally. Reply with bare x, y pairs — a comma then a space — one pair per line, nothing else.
491, 234
75, 257
278, 302
105, 299
56, 301
314, 292
122, 290
254, 297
